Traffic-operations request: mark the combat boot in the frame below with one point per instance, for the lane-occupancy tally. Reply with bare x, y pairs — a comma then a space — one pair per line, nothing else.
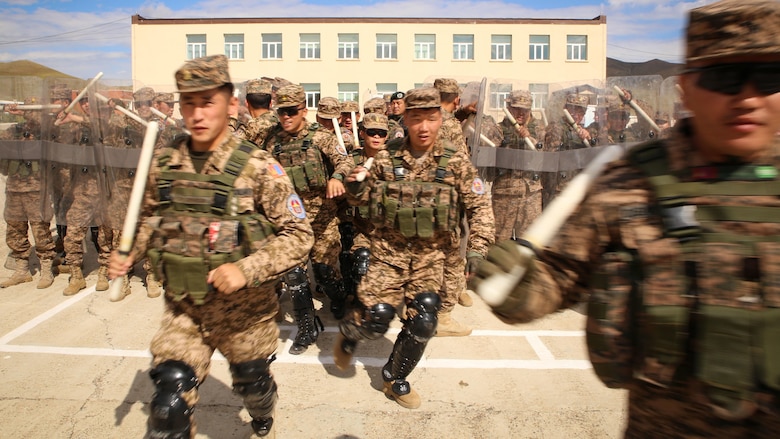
10, 262
309, 327
102, 282
125, 288
47, 277
465, 299
76, 282
20, 276
153, 286
449, 327
343, 351
401, 392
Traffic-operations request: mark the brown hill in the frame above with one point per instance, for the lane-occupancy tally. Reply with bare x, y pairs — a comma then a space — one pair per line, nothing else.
29, 68
653, 67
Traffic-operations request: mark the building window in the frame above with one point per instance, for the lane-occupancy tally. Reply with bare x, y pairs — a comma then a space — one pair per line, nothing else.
501, 47
539, 95
196, 46
462, 47
312, 92
234, 46
386, 87
348, 46
348, 91
310, 46
539, 48
424, 46
272, 46
576, 47
499, 94
386, 46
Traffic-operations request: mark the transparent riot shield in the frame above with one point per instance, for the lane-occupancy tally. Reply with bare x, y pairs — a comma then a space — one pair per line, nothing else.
670, 106
639, 96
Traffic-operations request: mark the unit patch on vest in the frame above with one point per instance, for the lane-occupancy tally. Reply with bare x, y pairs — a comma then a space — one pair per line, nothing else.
295, 206
477, 186
276, 170
341, 149
633, 211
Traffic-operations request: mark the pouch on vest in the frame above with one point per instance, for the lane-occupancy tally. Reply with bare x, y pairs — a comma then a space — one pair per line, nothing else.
186, 277
298, 178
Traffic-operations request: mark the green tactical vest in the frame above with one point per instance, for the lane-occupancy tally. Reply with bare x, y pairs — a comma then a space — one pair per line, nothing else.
302, 161
196, 231
709, 308
357, 212
415, 208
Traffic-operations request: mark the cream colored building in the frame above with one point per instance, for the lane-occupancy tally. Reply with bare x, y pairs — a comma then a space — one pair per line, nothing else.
358, 58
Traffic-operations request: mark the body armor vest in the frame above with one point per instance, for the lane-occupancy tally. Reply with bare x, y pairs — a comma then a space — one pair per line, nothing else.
702, 301
302, 161
197, 229
415, 208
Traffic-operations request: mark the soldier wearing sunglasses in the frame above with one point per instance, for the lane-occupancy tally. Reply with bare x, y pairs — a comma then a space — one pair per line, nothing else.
675, 247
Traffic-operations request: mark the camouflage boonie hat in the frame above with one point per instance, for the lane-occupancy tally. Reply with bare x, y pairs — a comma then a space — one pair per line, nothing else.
446, 85
520, 99
427, 97
60, 91
259, 86
375, 120
203, 74
733, 28
349, 107
328, 108
163, 97
375, 105
577, 100
144, 94
290, 96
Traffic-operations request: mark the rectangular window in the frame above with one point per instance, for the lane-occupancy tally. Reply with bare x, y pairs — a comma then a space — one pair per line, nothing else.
424, 46
386, 87
386, 46
576, 47
498, 95
539, 48
234, 46
312, 92
501, 47
272, 46
348, 91
462, 47
310, 46
196, 46
348, 46
539, 95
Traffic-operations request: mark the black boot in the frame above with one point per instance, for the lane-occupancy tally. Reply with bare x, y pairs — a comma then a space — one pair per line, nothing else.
332, 287
303, 310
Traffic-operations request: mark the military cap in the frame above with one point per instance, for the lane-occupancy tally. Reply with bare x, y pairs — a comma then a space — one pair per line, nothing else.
144, 94
30, 100
577, 100
328, 108
520, 99
60, 91
375, 105
426, 97
349, 107
259, 86
163, 97
733, 28
277, 82
203, 73
290, 96
446, 85
375, 120
397, 95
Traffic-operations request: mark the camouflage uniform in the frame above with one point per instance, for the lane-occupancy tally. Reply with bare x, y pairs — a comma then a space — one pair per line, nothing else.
407, 257
348, 108
256, 129
197, 319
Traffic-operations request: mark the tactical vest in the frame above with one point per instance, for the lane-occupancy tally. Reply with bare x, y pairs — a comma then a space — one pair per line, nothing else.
357, 212
197, 229
302, 161
415, 208
702, 301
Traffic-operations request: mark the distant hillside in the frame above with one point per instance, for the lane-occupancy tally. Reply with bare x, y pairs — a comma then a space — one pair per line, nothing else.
29, 68
652, 67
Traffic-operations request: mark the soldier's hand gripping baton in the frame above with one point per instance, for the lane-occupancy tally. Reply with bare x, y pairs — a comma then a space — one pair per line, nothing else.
639, 111
512, 119
495, 289
123, 110
367, 165
574, 126
136, 200
73, 103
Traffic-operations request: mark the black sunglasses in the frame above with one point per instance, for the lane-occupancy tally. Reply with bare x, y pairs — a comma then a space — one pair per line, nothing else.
142, 103
376, 132
289, 111
729, 79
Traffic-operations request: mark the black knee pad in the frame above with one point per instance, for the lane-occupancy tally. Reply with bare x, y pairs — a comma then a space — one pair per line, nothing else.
423, 325
375, 323
170, 413
253, 381
360, 260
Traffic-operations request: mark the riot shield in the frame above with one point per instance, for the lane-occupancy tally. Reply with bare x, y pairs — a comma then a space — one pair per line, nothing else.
671, 108
640, 97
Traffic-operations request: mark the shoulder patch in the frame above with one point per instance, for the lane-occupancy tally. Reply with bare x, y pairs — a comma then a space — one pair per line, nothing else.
276, 170
341, 149
295, 206
477, 186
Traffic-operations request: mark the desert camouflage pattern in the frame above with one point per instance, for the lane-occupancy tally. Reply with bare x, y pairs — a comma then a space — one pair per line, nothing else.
203, 73
257, 129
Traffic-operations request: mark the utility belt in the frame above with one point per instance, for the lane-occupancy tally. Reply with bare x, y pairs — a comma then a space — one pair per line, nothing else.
416, 209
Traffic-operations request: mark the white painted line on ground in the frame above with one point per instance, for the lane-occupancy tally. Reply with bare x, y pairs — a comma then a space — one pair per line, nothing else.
538, 346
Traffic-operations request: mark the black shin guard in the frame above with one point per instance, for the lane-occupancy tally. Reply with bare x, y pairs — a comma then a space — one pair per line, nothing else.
332, 287
303, 310
253, 381
170, 413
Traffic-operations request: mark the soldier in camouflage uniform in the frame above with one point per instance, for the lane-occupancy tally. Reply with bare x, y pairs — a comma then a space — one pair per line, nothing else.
317, 165
614, 130
414, 192
258, 101
676, 247
218, 256
25, 207
347, 109
395, 115
517, 194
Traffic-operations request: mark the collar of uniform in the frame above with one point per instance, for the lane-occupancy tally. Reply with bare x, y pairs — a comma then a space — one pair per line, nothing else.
220, 155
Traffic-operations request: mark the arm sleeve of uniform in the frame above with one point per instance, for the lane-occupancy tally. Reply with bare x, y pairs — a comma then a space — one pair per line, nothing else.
475, 200
274, 195
342, 163
149, 207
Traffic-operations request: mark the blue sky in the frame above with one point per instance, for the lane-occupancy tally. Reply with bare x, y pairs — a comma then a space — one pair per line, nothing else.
82, 38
